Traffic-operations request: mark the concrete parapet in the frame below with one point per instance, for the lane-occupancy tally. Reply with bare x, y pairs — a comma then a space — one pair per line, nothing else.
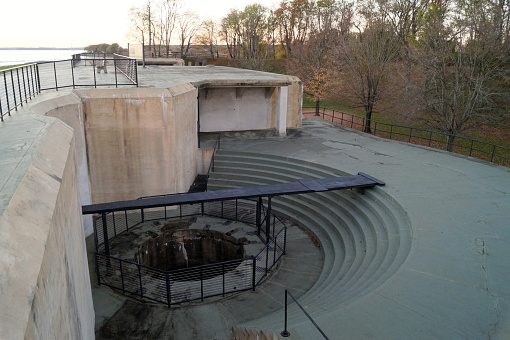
44, 281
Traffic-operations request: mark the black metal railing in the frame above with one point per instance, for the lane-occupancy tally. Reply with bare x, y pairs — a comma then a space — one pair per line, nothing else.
466, 146
22, 83
88, 70
285, 333
189, 284
18, 86
217, 146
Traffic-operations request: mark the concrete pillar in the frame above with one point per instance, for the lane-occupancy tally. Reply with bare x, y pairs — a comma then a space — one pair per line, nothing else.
282, 110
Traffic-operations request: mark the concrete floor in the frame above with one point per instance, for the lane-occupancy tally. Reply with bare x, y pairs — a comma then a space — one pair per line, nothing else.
453, 284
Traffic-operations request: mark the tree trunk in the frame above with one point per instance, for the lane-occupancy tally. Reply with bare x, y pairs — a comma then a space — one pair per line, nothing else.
368, 121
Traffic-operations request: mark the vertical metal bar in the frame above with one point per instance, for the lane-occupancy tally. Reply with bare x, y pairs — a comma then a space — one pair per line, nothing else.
105, 234
285, 333
24, 83
114, 225
36, 79
201, 283
115, 69
267, 258
7, 95
55, 72
72, 73
493, 150
410, 135
140, 280
94, 71
254, 271
127, 222
98, 273
168, 292
180, 210
202, 207
142, 214
221, 209
471, 148
259, 215
268, 219
122, 277
19, 88
236, 210
430, 138
133, 62
284, 240
223, 276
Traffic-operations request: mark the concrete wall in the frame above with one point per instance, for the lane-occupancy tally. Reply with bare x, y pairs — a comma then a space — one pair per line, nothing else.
69, 109
236, 109
241, 108
140, 142
44, 281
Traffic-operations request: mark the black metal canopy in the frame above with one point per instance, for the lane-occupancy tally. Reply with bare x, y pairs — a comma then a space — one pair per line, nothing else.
305, 185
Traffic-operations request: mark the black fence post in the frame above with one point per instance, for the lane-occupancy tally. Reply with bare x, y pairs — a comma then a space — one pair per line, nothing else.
168, 292
14, 92
105, 234
140, 280
254, 271
201, 284
122, 276
55, 74
285, 333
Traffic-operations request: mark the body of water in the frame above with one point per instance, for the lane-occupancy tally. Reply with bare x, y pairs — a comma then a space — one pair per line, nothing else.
23, 56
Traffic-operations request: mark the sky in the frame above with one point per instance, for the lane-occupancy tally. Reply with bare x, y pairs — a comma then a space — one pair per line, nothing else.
64, 23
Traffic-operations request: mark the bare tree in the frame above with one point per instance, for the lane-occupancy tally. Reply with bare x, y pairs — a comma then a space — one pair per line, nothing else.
208, 36
462, 76
188, 25
366, 61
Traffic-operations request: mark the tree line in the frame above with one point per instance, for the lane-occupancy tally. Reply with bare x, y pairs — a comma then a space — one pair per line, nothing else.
444, 62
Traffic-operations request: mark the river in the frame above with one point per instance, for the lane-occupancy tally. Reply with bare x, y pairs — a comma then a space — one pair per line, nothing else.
22, 56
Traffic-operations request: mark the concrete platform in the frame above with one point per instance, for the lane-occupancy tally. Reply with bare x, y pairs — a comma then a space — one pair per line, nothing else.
454, 282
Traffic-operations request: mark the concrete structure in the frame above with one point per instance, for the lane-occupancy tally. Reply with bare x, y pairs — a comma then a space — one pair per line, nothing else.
424, 257
70, 148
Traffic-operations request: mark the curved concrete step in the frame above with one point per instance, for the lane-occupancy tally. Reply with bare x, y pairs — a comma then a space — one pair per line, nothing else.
364, 238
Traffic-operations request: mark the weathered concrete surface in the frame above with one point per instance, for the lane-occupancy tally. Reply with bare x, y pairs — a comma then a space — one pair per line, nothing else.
44, 285
41, 233
140, 142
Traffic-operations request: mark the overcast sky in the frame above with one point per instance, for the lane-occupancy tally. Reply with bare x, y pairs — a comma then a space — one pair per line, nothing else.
71, 23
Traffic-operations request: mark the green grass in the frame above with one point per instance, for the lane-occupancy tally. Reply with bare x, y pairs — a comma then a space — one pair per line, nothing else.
8, 66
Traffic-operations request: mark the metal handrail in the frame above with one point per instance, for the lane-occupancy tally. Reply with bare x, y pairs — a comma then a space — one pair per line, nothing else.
119, 273
217, 146
17, 86
474, 148
285, 333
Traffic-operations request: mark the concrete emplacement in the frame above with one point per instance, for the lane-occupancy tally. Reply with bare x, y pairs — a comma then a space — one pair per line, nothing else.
443, 274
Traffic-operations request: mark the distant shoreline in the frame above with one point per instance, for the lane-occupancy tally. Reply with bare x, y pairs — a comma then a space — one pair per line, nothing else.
41, 48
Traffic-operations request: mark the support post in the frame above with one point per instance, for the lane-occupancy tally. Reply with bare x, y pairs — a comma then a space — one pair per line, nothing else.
268, 219
285, 333
259, 215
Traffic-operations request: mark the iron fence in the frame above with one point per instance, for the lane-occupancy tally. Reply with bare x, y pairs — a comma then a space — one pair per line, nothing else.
18, 85
22, 83
466, 146
189, 284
